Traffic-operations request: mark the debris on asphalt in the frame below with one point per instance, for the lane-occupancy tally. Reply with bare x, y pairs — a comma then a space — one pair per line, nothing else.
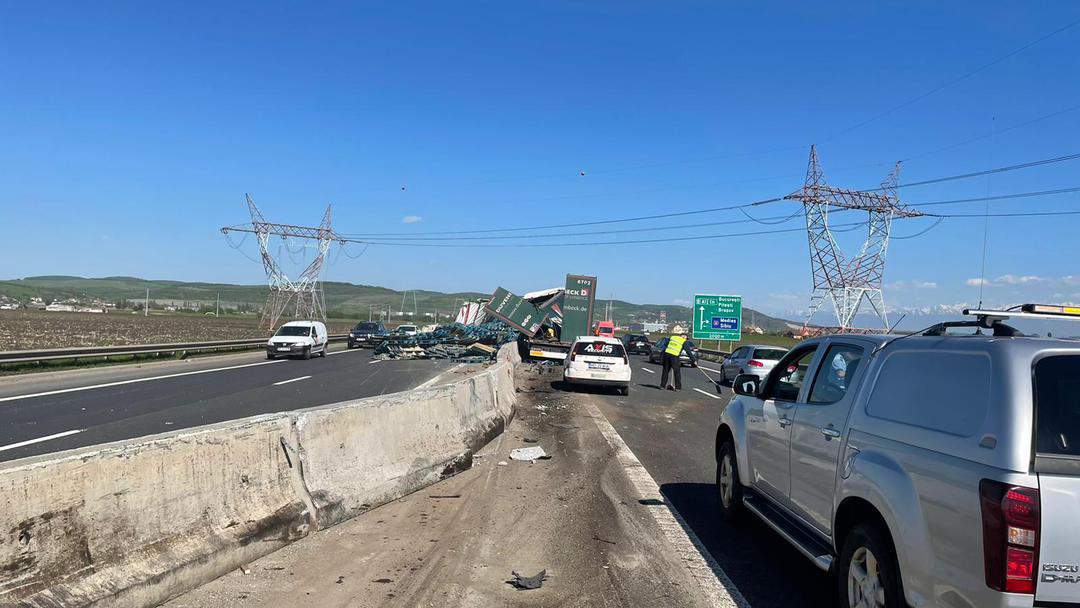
530, 453
454, 342
445, 496
528, 582
503, 463
340, 579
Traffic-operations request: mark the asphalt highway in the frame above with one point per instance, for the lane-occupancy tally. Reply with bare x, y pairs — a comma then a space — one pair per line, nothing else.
49, 412
673, 435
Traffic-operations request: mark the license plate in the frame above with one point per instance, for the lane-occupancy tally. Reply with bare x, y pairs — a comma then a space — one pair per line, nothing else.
601, 366
284, 348
596, 375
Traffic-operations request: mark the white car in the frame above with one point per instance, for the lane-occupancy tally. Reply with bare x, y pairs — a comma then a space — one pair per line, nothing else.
406, 330
298, 338
598, 361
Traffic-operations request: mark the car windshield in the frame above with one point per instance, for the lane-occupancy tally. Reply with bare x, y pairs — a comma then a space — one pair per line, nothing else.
599, 349
293, 330
367, 327
771, 354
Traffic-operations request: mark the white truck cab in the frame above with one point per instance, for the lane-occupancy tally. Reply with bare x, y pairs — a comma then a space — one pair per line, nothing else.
298, 339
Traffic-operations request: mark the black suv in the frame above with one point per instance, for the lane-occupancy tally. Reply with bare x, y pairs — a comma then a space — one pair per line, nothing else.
636, 344
368, 334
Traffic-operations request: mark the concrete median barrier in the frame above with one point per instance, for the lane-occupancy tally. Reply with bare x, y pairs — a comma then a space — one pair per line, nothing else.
136, 523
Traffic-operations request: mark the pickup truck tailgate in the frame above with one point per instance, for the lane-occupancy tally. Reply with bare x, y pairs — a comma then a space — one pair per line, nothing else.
1059, 551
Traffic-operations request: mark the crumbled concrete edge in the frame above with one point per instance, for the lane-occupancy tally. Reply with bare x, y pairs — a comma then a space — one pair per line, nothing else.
59, 552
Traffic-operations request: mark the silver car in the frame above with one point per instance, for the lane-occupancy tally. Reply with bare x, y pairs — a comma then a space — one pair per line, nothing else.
756, 359
925, 470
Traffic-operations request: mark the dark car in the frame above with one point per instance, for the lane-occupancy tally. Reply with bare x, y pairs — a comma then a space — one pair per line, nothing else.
636, 344
688, 356
368, 334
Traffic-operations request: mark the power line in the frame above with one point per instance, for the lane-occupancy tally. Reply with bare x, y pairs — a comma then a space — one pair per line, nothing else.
730, 207
956, 80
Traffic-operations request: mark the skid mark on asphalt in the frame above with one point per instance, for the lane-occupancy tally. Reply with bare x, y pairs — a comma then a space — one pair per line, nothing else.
715, 584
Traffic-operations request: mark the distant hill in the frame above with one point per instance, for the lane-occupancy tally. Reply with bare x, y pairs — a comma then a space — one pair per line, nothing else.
343, 300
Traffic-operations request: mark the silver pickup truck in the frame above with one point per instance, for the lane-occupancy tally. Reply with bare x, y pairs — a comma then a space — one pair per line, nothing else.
923, 470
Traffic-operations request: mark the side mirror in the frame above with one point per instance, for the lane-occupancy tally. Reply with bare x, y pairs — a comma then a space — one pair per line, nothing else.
746, 384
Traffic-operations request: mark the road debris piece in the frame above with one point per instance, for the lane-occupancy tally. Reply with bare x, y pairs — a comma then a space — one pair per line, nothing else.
530, 453
528, 582
455, 342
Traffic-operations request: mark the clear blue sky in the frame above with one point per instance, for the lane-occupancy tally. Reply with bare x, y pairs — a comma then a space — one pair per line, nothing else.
130, 136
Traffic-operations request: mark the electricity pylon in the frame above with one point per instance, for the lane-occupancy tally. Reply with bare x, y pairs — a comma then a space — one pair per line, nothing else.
846, 283
302, 298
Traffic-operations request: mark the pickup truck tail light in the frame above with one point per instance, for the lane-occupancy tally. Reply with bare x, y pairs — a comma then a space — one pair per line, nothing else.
1010, 517
753, 363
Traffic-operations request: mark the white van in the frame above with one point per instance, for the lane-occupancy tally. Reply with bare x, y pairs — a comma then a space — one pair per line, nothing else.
298, 338
598, 360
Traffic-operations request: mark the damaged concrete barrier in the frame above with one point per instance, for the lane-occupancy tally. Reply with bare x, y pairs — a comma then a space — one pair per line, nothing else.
136, 523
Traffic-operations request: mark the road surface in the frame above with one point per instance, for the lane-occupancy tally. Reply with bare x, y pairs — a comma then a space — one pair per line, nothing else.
48, 412
673, 435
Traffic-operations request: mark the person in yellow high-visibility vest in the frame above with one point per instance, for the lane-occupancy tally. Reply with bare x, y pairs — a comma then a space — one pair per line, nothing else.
671, 361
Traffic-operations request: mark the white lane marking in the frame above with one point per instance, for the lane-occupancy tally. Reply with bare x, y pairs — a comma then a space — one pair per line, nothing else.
708, 394
137, 380
715, 584
373, 361
293, 380
439, 376
341, 352
711, 369
39, 440
651, 371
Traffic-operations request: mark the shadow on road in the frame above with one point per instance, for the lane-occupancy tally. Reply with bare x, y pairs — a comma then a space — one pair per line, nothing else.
768, 571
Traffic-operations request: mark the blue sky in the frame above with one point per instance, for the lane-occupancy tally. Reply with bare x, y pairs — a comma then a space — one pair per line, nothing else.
130, 136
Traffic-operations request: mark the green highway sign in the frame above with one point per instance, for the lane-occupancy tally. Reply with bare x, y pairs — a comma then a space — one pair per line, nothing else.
717, 317
516, 312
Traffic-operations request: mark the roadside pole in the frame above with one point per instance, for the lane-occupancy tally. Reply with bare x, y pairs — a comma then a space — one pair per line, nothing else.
146, 305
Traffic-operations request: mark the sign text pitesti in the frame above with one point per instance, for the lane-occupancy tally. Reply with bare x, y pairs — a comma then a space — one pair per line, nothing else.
578, 300
717, 317
516, 312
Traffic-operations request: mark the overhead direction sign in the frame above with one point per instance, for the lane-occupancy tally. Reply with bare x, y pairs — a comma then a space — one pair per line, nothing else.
717, 317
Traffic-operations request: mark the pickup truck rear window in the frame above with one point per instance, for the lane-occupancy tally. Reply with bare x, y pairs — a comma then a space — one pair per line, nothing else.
599, 349
1057, 406
937, 390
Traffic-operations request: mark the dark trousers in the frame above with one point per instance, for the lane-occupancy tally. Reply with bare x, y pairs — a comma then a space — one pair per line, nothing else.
671, 362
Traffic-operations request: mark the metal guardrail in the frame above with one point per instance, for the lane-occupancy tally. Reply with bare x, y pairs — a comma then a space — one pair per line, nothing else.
707, 351
51, 354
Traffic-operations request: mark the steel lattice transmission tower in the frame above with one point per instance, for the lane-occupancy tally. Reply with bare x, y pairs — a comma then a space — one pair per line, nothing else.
843, 282
301, 298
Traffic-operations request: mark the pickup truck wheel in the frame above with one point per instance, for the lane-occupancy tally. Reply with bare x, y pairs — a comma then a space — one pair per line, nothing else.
866, 575
729, 489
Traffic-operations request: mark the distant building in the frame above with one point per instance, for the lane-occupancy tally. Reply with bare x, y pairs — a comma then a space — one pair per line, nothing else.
654, 327
58, 307
678, 328
637, 327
